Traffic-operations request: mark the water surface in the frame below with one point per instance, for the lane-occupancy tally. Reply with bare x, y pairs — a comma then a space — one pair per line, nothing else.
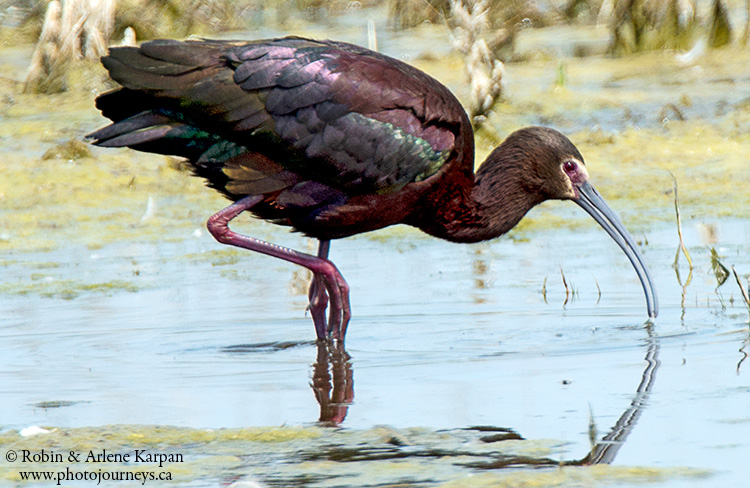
131, 327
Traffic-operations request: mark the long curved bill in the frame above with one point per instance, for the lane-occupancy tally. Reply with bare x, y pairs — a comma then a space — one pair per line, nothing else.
594, 204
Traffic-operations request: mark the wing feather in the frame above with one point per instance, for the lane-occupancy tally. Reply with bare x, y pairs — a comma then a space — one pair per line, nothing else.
288, 115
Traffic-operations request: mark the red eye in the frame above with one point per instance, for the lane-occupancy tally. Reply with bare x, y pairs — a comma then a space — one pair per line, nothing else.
570, 166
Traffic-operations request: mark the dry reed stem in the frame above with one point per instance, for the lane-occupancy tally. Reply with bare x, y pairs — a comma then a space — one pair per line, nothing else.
599, 290
41, 70
372, 36
742, 288
71, 26
606, 10
565, 284
484, 71
70, 41
679, 230
637, 25
73, 30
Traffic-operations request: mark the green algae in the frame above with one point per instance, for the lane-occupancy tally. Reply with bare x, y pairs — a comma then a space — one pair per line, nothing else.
50, 287
71, 150
707, 163
54, 404
206, 453
56, 192
317, 457
630, 166
217, 257
600, 475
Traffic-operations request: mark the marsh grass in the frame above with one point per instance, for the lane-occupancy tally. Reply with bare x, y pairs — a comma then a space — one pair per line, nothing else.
721, 273
682, 246
643, 25
720, 32
46, 72
404, 14
72, 31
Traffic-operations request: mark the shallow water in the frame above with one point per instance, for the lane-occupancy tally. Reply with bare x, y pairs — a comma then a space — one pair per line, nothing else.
116, 319
443, 337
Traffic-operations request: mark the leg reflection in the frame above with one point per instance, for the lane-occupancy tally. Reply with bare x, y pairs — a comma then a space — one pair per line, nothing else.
333, 381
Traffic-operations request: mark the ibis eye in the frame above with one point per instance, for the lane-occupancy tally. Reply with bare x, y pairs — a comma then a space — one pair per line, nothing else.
570, 166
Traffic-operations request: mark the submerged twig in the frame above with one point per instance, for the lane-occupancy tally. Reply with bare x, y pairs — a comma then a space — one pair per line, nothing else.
679, 230
599, 290
744, 356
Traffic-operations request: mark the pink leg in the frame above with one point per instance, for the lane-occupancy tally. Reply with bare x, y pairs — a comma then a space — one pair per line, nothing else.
324, 271
318, 295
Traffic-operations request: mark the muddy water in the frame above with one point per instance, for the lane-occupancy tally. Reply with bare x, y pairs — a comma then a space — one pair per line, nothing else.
127, 328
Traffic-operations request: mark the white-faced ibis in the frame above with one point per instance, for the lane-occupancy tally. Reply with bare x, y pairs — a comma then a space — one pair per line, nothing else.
333, 140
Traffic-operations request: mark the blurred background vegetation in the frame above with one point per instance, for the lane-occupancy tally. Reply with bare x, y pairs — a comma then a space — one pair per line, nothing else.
635, 25
484, 32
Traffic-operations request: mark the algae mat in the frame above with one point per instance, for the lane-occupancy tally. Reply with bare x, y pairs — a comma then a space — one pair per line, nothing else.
303, 457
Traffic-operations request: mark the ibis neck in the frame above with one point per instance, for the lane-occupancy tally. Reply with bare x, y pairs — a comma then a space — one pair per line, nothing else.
488, 207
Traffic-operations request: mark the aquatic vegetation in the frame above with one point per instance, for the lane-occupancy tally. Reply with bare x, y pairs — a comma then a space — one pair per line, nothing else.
71, 150
682, 246
745, 296
720, 33
403, 14
66, 289
600, 475
54, 404
45, 73
720, 271
315, 456
645, 25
